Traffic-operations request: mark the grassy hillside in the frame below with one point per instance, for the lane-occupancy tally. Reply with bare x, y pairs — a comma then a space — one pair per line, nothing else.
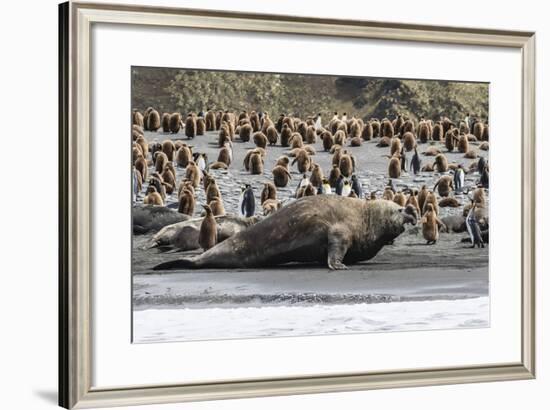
170, 90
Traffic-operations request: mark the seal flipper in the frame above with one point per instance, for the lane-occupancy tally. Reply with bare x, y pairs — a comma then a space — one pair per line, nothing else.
176, 264
338, 243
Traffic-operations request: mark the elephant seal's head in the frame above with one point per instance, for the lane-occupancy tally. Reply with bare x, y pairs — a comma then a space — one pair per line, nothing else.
386, 220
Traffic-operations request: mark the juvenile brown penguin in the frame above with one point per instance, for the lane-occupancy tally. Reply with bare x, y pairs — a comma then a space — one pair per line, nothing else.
478, 130
424, 132
311, 136
169, 179
367, 132
269, 191
271, 134
422, 197
190, 127
451, 139
153, 197
409, 141
183, 156
256, 164
430, 225
165, 122
210, 121
283, 160
316, 178
186, 203
394, 166
175, 122
212, 191
334, 175
463, 144
328, 140
303, 161
444, 185
286, 133
193, 173
400, 199
216, 205
245, 132
281, 176
437, 132
440, 163
260, 139
208, 233
141, 167
201, 126
340, 138
160, 160
153, 120
430, 199
169, 148
345, 164
296, 140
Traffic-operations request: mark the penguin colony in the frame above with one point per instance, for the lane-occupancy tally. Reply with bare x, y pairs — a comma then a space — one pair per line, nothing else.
412, 147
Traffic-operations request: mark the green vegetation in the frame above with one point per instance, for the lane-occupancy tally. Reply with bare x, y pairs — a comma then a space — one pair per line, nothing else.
170, 90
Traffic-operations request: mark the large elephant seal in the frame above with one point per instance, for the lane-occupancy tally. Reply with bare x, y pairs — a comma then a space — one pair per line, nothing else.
324, 228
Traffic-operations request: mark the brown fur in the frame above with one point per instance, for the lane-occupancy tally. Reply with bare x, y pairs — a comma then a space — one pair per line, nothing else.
444, 185
384, 142
153, 197
260, 139
201, 126
165, 121
193, 174
430, 224
160, 160
186, 203
478, 130
272, 135
153, 120
269, 191
471, 154
328, 140
346, 166
245, 132
216, 205
256, 164
463, 144
303, 161
424, 132
367, 132
286, 133
169, 149
441, 164
224, 135
316, 177
296, 140
430, 199
334, 175
400, 199
208, 233
210, 122
484, 146
394, 167
225, 156
432, 151
175, 122
340, 138
449, 202
395, 147
190, 127
311, 137
281, 176
137, 118
183, 156
409, 141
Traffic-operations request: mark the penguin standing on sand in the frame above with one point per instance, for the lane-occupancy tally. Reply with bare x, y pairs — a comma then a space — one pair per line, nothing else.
416, 162
356, 186
346, 188
403, 160
318, 123
339, 185
200, 160
248, 204
324, 188
473, 228
458, 178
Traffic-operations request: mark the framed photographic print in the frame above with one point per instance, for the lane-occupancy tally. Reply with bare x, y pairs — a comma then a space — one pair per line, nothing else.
255, 205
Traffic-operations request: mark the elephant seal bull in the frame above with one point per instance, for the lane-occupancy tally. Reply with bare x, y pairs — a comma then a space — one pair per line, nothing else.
324, 228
